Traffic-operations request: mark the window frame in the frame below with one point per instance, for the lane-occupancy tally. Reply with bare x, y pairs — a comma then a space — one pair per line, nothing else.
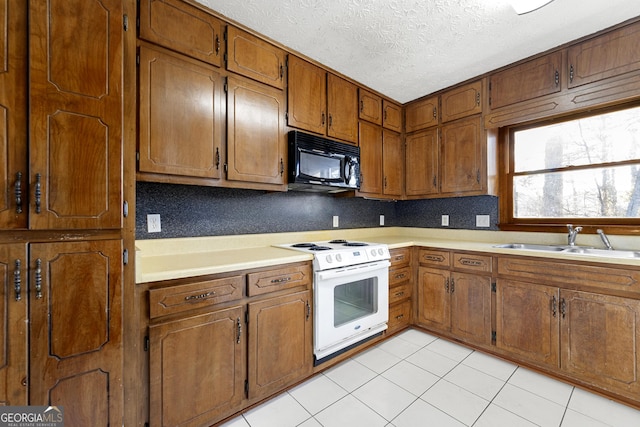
507, 222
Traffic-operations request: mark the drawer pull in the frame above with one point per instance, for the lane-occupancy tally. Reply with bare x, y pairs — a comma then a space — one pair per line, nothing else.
199, 296
400, 276
399, 294
281, 280
400, 316
474, 262
438, 258
399, 258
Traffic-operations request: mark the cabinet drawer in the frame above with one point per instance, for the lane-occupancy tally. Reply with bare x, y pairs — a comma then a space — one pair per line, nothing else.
472, 262
276, 280
398, 293
399, 275
434, 258
399, 315
400, 257
176, 299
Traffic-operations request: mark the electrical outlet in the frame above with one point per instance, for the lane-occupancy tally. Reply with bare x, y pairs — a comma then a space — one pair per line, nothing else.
336, 221
483, 220
153, 223
381, 220
445, 220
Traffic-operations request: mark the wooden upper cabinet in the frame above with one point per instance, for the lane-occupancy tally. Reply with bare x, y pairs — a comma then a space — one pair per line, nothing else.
254, 58
256, 148
421, 114
307, 95
14, 336
422, 160
529, 80
321, 102
462, 101
609, 55
180, 115
463, 160
184, 28
342, 107
391, 116
370, 106
370, 158
13, 118
75, 126
392, 164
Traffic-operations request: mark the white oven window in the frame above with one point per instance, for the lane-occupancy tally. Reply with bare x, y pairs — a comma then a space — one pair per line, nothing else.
355, 300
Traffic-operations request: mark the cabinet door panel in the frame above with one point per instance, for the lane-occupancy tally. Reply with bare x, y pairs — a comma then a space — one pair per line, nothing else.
256, 140
462, 102
13, 114
280, 342
526, 81
392, 164
196, 366
527, 321
342, 107
180, 122
13, 324
370, 158
307, 95
462, 156
183, 28
254, 58
471, 307
76, 113
370, 107
76, 329
434, 307
422, 159
421, 114
606, 56
391, 116
601, 340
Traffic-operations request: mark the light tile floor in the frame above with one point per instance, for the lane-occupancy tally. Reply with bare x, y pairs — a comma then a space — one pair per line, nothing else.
416, 379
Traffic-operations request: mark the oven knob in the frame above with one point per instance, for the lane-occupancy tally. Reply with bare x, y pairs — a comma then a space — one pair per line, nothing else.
329, 259
380, 251
338, 257
373, 253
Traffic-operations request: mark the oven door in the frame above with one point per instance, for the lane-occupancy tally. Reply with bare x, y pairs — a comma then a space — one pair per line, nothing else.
350, 304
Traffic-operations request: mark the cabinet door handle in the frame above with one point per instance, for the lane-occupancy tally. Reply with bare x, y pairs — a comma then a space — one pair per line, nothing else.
478, 99
435, 181
308, 310
238, 330
554, 306
478, 176
18, 192
385, 116
435, 113
571, 73
330, 120
563, 307
217, 45
361, 105
281, 71
17, 280
38, 192
556, 78
323, 118
217, 158
281, 167
446, 285
38, 278
453, 285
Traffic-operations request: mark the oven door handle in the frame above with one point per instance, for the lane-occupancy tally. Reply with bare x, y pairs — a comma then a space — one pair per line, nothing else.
354, 269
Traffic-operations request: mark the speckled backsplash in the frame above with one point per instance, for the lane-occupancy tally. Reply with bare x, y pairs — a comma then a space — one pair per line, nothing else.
190, 211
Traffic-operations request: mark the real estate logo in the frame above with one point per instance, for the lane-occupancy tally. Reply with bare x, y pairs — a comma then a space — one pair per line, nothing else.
31, 416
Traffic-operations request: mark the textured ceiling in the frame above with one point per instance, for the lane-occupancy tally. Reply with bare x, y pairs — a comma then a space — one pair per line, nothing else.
406, 49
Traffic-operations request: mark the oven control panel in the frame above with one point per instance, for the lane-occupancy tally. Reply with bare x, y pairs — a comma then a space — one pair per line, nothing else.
351, 256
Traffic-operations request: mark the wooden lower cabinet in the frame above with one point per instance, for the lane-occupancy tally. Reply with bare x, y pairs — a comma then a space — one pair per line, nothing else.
400, 289
75, 322
280, 342
214, 348
197, 370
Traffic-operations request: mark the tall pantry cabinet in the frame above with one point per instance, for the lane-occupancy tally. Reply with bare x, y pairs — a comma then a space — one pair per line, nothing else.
63, 206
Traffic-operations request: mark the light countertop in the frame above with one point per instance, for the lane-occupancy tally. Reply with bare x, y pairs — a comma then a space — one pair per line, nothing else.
166, 259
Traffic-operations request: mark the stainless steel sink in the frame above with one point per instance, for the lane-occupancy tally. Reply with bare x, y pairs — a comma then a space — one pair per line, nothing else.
531, 247
614, 253
578, 250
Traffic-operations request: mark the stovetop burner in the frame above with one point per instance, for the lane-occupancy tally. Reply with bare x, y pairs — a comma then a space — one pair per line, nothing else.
303, 245
355, 244
336, 241
319, 248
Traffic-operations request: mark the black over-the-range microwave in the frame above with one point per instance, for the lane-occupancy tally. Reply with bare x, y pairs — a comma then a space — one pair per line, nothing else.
322, 165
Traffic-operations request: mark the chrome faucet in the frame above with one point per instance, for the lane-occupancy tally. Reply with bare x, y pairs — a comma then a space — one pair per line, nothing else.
605, 239
573, 233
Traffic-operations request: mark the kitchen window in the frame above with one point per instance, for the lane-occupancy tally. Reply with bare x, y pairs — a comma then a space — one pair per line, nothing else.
585, 170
